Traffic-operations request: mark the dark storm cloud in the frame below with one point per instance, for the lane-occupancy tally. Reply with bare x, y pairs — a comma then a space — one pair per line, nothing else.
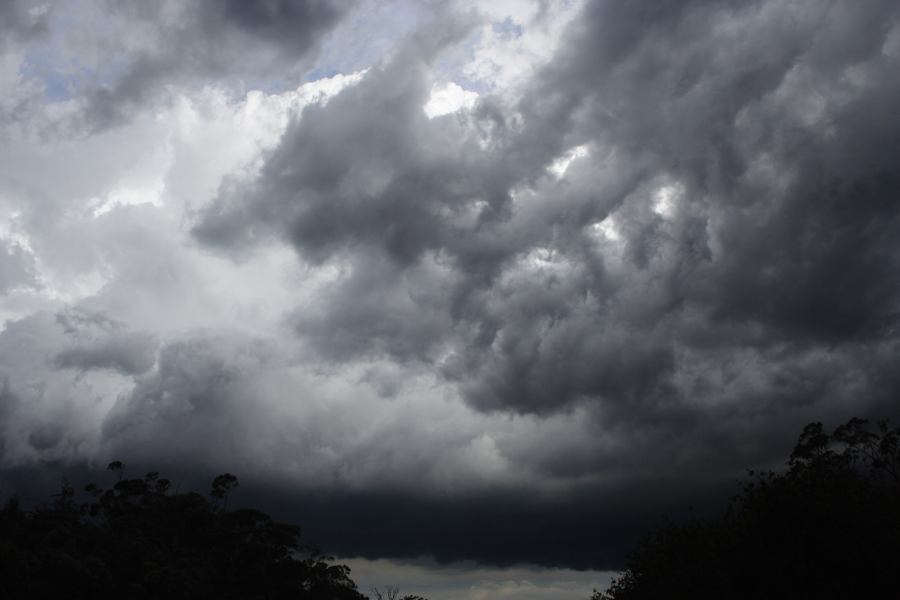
767, 128
197, 43
500, 528
492, 529
772, 125
199, 395
777, 123
368, 168
776, 119
719, 269
367, 313
369, 184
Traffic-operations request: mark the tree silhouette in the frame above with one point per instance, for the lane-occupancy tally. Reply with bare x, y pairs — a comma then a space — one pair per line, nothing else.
392, 592
136, 540
828, 527
222, 486
116, 467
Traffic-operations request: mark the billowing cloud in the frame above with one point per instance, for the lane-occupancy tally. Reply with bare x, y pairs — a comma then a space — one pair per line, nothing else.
116, 59
719, 195
564, 264
196, 43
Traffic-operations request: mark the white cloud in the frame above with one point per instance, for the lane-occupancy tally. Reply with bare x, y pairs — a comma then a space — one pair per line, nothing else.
666, 199
519, 37
561, 164
448, 98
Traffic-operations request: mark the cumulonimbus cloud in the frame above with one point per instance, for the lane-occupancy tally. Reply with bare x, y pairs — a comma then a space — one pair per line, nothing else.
619, 282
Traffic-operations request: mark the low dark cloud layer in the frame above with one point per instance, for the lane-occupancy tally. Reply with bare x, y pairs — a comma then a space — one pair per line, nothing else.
514, 331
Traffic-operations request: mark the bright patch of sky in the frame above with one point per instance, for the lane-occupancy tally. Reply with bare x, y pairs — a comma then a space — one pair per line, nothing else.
561, 164
465, 581
607, 227
168, 163
368, 35
517, 38
665, 199
448, 98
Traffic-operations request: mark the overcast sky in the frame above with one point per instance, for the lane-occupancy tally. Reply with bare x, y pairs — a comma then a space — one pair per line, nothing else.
469, 283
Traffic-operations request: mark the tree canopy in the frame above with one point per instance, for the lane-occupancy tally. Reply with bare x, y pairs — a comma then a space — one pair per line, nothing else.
138, 540
827, 527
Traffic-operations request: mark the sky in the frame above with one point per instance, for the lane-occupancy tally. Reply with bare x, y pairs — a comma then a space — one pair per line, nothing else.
476, 292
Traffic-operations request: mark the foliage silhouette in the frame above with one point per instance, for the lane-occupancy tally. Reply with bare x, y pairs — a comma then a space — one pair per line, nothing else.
392, 592
138, 541
222, 486
828, 527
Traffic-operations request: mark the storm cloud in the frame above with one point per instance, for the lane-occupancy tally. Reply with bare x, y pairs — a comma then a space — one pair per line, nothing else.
570, 265
732, 206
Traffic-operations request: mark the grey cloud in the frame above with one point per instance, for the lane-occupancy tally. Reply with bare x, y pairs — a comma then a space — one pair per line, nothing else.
201, 42
369, 185
41, 412
486, 529
377, 310
768, 125
368, 168
16, 268
57, 371
21, 20
128, 353
720, 269
194, 377
784, 211
95, 341
200, 406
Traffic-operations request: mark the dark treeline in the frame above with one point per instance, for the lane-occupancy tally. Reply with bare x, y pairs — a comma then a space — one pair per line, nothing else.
138, 540
828, 527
